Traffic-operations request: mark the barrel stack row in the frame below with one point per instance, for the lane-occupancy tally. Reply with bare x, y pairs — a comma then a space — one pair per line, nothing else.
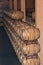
24, 38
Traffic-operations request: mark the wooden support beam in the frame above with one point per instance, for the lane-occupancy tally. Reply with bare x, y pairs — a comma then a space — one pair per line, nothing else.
15, 4
10, 4
23, 9
39, 23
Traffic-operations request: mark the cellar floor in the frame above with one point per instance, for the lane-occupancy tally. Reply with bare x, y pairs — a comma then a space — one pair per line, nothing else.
7, 54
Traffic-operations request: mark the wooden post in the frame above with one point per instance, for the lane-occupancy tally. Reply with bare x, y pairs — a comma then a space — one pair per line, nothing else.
15, 4
23, 9
39, 23
10, 4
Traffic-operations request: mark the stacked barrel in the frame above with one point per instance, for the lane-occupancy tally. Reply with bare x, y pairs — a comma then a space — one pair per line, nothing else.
25, 38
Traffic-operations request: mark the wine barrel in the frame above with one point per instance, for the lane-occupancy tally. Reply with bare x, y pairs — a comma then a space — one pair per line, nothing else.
17, 15
29, 33
31, 61
31, 49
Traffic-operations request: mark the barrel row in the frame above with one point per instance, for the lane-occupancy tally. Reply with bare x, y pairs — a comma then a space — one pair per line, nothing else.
24, 38
26, 47
25, 31
22, 58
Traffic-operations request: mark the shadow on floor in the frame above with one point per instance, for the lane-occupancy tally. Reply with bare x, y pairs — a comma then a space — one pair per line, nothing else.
7, 54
